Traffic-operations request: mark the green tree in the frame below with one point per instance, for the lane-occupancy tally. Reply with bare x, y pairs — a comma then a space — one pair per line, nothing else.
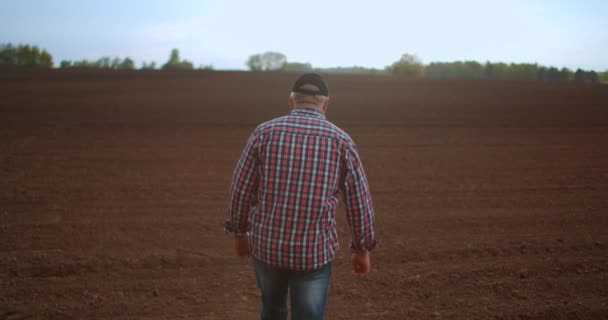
174, 58
297, 67
46, 59
116, 63
175, 63
500, 71
104, 63
352, 70
148, 66
579, 76
565, 75
8, 55
408, 65
33, 57
553, 74
523, 71
586, 76
25, 56
64, 64
127, 63
267, 61
456, 70
541, 74
593, 77
255, 62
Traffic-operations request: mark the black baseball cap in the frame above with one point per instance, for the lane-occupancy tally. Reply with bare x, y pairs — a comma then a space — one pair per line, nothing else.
313, 79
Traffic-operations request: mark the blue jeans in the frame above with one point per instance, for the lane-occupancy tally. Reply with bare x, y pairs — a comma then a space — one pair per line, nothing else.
308, 291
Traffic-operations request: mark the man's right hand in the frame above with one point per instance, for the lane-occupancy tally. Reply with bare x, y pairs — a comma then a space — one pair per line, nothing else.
361, 264
241, 246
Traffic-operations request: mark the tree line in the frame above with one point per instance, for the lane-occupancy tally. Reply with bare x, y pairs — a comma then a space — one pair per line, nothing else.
411, 66
32, 56
25, 56
489, 70
175, 62
408, 65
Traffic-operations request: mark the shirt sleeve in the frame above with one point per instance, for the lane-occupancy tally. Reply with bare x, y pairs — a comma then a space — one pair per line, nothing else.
244, 189
359, 208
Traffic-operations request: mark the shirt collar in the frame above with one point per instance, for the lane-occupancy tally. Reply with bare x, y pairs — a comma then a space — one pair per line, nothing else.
307, 112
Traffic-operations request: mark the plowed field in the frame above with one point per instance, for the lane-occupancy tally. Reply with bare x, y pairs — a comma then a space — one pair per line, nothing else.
491, 197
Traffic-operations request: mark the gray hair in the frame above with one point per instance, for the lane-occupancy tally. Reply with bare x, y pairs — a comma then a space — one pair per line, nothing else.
301, 98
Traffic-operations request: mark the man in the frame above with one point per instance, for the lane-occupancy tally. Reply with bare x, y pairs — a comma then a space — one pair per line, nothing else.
283, 200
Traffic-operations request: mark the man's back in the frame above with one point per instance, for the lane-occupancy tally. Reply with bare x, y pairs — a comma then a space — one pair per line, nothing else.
303, 162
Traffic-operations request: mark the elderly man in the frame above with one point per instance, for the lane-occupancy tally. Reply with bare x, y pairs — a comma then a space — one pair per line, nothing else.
283, 202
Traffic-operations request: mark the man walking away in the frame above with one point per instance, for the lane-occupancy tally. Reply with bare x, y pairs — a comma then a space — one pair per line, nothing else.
283, 202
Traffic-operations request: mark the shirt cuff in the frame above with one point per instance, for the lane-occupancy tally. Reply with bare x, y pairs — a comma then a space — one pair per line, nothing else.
230, 228
364, 246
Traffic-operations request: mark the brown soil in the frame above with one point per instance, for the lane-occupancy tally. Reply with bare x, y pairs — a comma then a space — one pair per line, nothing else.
491, 197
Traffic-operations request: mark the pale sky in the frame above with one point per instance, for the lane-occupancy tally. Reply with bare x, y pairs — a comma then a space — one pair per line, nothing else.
570, 33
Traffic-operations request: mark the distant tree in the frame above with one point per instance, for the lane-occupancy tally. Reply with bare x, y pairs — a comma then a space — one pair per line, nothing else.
85, 64
579, 76
104, 63
297, 67
541, 74
64, 64
593, 77
267, 61
501, 70
25, 56
488, 70
101, 63
127, 63
350, 70
32, 56
186, 65
557, 75
565, 75
175, 63
116, 63
408, 65
46, 59
473, 69
553, 74
8, 55
523, 71
255, 62
148, 66
174, 58
206, 67
604, 76
457, 69
586, 76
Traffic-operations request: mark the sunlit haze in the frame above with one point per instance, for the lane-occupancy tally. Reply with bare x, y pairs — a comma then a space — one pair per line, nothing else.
324, 33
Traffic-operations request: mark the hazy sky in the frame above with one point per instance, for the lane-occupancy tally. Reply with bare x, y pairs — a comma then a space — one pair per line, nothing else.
571, 33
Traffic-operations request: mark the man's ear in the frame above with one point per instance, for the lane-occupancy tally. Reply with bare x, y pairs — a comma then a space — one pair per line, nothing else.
291, 103
325, 105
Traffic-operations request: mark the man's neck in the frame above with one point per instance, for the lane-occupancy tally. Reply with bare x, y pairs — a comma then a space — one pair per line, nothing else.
310, 107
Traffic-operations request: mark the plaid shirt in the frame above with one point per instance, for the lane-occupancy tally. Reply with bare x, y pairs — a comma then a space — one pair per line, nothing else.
286, 187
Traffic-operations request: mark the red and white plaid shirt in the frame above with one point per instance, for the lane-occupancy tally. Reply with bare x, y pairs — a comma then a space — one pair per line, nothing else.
286, 187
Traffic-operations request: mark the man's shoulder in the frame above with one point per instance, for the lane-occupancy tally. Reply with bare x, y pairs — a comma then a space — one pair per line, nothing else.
341, 133
323, 125
270, 124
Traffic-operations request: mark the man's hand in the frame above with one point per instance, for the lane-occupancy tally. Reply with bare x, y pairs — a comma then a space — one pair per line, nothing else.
361, 264
241, 246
